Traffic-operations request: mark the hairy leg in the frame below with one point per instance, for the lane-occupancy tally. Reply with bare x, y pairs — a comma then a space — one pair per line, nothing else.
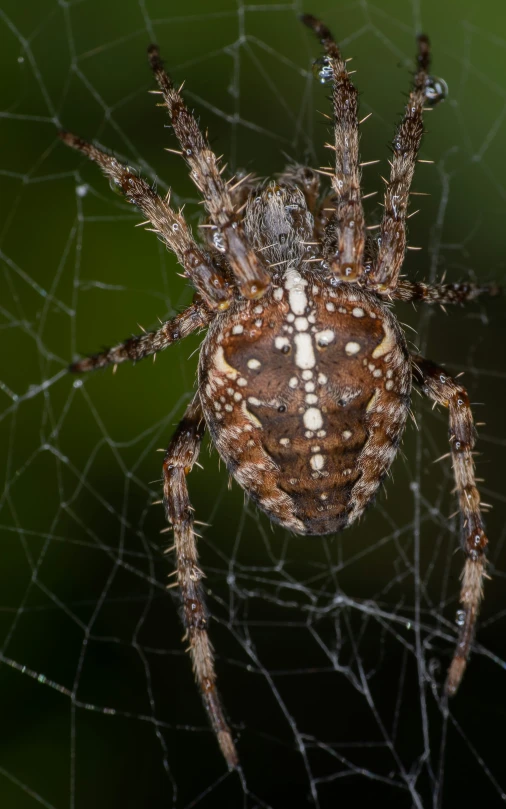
441, 388
179, 459
441, 293
406, 143
345, 235
229, 237
143, 345
171, 226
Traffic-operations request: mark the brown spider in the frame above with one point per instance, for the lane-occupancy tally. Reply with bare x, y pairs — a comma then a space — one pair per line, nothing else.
304, 375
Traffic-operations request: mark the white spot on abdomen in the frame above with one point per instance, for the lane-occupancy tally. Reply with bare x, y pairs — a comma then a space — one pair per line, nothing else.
297, 297
317, 462
313, 419
324, 338
281, 342
387, 343
352, 348
304, 355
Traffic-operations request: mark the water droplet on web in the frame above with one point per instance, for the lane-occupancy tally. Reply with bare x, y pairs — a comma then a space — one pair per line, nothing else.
322, 68
82, 190
77, 383
436, 90
460, 617
21, 59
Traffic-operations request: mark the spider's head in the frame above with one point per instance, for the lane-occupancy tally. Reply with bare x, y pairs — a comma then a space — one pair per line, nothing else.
277, 223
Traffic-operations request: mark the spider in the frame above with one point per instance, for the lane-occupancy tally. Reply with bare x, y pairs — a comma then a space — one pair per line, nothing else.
304, 375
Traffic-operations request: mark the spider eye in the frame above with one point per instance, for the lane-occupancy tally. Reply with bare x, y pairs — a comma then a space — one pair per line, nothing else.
282, 409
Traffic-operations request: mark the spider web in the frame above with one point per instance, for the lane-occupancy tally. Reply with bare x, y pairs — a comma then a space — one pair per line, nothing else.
331, 653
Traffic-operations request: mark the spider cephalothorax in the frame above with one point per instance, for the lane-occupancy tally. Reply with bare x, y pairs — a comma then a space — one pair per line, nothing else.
304, 375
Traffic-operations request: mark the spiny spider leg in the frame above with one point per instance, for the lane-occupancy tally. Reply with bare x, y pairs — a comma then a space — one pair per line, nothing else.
229, 237
171, 226
179, 459
442, 293
143, 345
441, 388
406, 143
345, 238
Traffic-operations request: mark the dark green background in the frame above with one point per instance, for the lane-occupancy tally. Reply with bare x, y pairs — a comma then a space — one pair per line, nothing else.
86, 624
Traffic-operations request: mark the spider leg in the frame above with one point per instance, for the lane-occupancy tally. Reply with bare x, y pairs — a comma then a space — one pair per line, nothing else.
441, 293
143, 345
229, 237
345, 234
179, 459
406, 143
441, 388
171, 226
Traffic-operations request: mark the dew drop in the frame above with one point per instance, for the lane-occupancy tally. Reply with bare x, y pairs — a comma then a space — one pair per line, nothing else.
436, 90
460, 617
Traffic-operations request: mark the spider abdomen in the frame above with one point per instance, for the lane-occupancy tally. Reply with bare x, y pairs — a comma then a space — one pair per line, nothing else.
306, 394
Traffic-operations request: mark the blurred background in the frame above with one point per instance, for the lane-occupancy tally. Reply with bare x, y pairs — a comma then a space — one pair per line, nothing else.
331, 653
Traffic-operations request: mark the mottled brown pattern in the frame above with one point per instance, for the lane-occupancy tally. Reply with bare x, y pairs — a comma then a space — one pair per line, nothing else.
256, 414
304, 376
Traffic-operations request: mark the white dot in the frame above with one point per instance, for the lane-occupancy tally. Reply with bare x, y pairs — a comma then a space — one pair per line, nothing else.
358, 312
321, 433
309, 387
322, 379
330, 307
323, 496
258, 310
389, 385
315, 449
313, 419
253, 400
352, 348
377, 372
324, 338
284, 441
309, 434
254, 364
242, 382
311, 398
278, 294
346, 434
237, 397
238, 329
317, 462
229, 408
259, 324
281, 342
304, 354
301, 323
293, 382
307, 374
